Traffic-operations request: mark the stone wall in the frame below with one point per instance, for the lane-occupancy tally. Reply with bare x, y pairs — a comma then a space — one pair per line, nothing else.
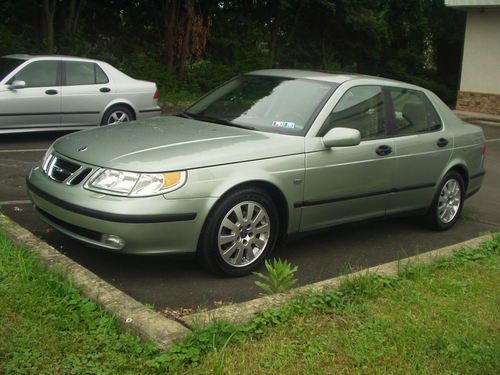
478, 102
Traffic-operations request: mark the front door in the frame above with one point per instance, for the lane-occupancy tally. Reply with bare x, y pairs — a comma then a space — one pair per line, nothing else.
38, 104
344, 184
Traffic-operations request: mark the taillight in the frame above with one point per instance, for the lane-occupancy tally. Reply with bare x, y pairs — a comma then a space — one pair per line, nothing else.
483, 149
156, 96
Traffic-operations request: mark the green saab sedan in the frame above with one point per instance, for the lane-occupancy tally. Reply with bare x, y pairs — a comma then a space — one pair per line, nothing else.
267, 154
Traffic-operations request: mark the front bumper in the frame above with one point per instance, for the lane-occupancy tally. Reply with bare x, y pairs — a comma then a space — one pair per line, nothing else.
148, 225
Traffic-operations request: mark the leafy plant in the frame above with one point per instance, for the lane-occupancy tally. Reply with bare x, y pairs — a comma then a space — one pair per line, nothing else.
280, 276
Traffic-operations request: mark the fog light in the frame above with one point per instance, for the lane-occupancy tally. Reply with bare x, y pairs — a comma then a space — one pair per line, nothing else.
113, 241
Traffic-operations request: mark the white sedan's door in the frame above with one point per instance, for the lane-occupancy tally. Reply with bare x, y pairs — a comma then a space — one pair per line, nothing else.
38, 104
85, 93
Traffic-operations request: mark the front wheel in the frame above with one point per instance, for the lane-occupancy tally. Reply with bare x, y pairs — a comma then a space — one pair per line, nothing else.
239, 233
448, 202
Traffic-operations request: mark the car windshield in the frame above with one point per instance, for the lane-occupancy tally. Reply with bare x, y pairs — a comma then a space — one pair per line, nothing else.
7, 65
271, 104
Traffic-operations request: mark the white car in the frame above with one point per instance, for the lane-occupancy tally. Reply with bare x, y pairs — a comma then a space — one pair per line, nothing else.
66, 93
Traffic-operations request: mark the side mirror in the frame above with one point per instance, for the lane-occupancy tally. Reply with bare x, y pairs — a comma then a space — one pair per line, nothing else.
17, 85
342, 137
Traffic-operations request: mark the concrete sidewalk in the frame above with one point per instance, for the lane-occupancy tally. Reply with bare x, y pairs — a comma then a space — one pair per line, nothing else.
486, 118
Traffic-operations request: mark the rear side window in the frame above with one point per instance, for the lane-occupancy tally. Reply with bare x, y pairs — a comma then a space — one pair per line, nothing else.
413, 112
360, 108
100, 76
84, 73
38, 74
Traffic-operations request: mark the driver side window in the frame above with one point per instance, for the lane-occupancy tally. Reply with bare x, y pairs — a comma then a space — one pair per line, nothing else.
360, 108
38, 74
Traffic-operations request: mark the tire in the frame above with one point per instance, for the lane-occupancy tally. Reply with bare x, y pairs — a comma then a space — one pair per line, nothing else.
113, 114
245, 239
448, 202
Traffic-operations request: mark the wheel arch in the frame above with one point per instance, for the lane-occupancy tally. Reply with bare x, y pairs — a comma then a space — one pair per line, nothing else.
462, 169
120, 102
276, 194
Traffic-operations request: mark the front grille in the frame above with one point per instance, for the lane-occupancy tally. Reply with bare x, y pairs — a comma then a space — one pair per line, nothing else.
80, 176
63, 170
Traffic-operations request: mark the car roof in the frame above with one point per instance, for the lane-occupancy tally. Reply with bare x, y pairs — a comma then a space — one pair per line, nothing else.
337, 77
43, 57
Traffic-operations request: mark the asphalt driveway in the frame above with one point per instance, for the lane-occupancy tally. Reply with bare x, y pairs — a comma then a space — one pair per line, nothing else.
178, 281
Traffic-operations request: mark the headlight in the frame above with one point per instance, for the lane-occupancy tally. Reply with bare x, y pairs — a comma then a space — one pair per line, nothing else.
136, 184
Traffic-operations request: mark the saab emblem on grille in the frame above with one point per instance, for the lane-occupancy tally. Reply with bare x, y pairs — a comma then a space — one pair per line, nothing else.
83, 148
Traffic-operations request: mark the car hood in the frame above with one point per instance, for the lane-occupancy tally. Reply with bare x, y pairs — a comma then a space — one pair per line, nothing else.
173, 143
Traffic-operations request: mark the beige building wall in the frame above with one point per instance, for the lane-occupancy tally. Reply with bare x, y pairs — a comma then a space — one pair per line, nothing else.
481, 58
480, 81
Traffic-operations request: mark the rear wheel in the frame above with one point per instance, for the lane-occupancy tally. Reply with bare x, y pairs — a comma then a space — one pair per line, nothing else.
448, 202
239, 233
117, 115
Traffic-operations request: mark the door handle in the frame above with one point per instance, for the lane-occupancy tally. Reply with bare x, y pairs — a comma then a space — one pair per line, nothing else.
104, 89
383, 150
51, 92
442, 142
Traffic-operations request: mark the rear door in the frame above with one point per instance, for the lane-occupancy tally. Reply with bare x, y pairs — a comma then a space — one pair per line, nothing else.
85, 93
38, 104
423, 147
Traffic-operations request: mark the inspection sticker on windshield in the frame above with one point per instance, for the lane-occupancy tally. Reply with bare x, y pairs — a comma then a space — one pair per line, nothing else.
284, 124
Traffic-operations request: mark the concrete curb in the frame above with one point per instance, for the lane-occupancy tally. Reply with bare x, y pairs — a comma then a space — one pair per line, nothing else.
488, 119
131, 315
246, 311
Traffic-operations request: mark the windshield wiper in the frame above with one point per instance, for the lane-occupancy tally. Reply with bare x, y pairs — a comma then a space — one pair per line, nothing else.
184, 115
221, 122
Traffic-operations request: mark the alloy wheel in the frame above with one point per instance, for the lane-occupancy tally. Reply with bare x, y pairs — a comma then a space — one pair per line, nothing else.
449, 201
244, 234
118, 117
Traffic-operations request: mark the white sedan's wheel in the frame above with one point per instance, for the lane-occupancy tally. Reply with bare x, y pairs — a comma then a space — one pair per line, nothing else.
117, 115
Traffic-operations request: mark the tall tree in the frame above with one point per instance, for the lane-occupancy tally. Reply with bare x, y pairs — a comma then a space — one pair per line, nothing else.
48, 11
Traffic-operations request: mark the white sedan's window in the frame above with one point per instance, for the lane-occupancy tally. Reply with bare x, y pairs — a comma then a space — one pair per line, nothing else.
79, 73
38, 74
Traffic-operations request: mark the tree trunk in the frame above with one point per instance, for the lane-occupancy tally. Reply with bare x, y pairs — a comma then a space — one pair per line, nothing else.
274, 40
71, 15
49, 10
186, 37
170, 9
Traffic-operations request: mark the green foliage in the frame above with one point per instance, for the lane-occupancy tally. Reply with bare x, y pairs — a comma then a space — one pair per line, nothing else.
189, 352
46, 326
418, 41
280, 277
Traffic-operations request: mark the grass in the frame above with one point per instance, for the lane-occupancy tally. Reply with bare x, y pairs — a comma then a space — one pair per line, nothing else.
47, 327
432, 319
440, 318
